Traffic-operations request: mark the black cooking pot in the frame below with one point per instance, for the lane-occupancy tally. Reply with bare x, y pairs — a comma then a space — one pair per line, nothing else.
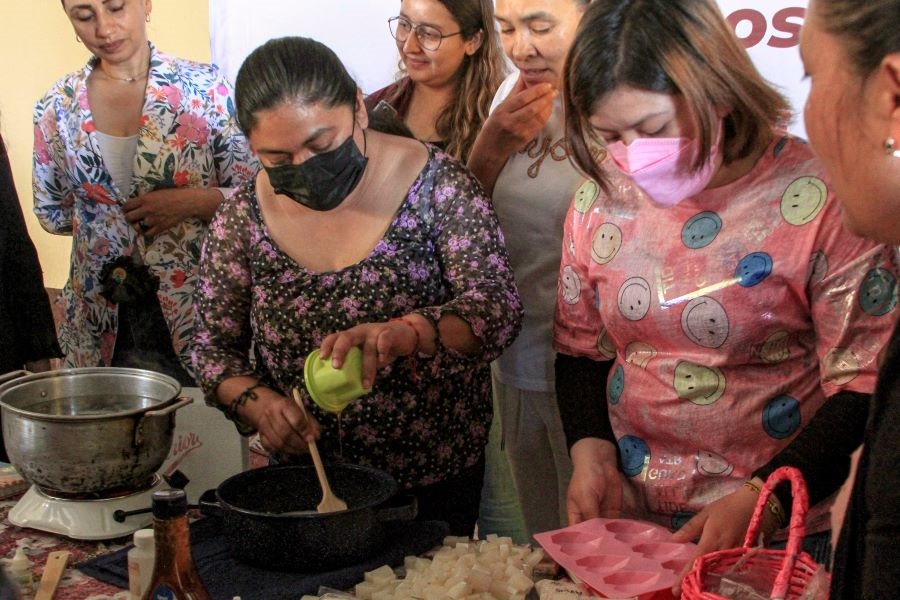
258, 532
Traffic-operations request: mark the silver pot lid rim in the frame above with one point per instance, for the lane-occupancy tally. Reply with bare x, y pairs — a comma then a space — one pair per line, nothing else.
162, 378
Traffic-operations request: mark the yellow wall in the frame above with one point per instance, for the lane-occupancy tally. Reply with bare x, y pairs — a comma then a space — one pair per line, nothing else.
38, 46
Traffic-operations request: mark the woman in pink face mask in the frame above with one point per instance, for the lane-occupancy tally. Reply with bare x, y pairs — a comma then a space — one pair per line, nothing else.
710, 303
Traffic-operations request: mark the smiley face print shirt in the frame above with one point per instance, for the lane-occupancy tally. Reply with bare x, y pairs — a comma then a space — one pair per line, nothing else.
731, 317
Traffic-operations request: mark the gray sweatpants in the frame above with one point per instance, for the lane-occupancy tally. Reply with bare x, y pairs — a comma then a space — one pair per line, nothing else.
534, 443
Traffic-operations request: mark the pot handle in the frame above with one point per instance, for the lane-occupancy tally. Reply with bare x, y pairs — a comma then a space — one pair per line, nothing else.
13, 375
151, 414
404, 512
209, 505
182, 402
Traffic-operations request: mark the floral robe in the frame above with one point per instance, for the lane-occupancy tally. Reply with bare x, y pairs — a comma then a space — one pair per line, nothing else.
188, 138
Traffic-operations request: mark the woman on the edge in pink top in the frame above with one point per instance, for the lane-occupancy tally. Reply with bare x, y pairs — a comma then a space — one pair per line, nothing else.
710, 300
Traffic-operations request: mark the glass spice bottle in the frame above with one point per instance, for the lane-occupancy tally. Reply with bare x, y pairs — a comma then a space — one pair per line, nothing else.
174, 576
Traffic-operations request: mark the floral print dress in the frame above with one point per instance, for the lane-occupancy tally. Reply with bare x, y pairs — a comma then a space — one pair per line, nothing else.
188, 137
443, 252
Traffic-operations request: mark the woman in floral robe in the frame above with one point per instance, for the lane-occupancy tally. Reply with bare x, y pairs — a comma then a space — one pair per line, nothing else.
187, 145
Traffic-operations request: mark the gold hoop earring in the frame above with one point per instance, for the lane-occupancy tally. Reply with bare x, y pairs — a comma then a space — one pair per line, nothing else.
890, 148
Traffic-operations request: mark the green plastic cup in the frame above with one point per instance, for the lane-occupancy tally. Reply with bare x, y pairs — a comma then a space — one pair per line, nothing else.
333, 389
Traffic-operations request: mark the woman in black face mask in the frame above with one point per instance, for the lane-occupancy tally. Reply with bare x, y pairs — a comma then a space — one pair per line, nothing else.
352, 237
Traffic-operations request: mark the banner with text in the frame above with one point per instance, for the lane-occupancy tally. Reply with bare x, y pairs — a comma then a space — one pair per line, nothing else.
357, 31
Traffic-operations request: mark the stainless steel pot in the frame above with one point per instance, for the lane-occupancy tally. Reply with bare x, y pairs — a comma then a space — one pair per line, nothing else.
89, 430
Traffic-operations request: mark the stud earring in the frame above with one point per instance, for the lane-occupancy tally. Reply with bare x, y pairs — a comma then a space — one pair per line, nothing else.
147, 18
890, 147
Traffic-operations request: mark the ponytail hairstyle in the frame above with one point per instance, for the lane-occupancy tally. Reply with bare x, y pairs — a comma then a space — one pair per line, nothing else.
868, 30
290, 69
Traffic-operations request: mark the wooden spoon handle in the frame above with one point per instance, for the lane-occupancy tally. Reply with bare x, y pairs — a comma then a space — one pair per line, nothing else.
320, 469
53, 572
313, 449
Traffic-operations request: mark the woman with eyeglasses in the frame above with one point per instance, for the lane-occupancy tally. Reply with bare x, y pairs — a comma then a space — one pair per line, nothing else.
451, 66
352, 237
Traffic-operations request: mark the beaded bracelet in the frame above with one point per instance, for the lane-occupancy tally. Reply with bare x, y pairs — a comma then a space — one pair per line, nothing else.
772, 504
241, 399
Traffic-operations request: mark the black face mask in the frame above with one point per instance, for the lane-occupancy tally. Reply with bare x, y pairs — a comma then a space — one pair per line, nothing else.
323, 181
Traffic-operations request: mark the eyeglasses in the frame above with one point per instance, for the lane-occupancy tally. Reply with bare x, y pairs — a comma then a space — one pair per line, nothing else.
429, 37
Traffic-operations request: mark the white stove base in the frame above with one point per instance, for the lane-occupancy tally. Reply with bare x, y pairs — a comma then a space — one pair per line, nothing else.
82, 519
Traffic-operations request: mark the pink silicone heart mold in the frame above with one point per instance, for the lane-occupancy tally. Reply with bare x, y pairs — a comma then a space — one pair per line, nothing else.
636, 538
603, 562
577, 550
659, 550
632, 532
675, 565
618, 557
572, 537
628, 527
629, 579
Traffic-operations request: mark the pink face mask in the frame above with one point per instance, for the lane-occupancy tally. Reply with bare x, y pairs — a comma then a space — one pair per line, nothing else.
661, 166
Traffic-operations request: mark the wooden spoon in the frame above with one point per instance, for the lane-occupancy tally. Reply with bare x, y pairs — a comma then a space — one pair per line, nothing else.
330, 502
53, 572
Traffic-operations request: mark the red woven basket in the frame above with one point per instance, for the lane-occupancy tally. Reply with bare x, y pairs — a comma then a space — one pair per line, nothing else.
793, 568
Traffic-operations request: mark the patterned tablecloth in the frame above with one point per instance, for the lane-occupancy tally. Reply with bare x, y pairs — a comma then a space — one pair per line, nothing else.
75, 585
38, 544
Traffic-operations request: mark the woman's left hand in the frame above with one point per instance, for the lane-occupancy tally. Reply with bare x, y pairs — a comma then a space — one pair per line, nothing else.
381, 344
722, 525
160, 210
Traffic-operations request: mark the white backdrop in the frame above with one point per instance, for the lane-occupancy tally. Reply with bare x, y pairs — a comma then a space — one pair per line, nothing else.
357, 31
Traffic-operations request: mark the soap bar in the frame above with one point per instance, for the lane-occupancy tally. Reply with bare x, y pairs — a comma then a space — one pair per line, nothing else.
618, 558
